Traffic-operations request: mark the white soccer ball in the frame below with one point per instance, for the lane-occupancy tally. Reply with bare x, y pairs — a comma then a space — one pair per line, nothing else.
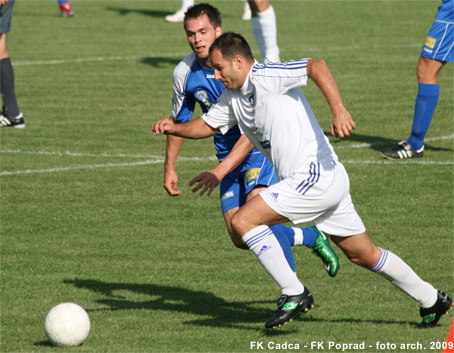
67, 324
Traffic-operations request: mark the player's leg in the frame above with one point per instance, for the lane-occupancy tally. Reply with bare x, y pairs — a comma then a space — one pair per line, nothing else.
233, 195
10, 115
437, 50
179, 15
426, 100
252, 222
258, 174
361, 250
65, 8
247, 11
348, 232
264, 27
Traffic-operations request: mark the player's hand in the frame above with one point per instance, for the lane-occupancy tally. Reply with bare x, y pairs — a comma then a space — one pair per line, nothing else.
171, 183
208, 180
3, 2
342, 124
164, 126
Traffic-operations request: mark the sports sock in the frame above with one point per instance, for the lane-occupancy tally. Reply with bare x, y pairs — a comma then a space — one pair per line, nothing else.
305, 236
285, 236
7, 88
426, 102
262, 242
186, 4
394, 269
265, 33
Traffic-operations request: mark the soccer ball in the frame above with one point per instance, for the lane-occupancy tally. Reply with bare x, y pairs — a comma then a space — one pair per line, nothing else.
67, 324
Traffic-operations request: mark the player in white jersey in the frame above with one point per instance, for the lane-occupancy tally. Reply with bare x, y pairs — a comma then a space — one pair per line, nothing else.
266, 102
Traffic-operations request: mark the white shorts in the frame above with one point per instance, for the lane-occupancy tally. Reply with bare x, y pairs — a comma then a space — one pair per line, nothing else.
321, 196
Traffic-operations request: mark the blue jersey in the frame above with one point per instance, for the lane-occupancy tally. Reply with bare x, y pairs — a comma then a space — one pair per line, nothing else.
193, 83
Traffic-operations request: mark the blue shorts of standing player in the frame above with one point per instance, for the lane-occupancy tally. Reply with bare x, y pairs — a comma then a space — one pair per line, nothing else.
439, 44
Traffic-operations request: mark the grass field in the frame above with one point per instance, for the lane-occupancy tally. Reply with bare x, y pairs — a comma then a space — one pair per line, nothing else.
84, 217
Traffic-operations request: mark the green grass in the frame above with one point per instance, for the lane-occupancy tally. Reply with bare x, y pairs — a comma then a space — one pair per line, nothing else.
84, 217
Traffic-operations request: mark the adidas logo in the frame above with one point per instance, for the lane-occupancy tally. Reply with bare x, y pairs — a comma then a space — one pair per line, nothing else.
264, 249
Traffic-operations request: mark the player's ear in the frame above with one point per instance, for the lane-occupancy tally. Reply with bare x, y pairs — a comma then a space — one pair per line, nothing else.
218, 31
238, 60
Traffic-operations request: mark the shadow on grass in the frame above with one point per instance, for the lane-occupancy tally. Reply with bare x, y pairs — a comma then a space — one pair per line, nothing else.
157, 61
220, 312
151, 13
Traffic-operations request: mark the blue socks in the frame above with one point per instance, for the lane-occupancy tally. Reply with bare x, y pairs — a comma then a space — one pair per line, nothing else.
426, 102
288, 237
285, 236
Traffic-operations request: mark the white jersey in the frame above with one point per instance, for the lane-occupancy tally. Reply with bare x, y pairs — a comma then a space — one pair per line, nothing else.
274, 114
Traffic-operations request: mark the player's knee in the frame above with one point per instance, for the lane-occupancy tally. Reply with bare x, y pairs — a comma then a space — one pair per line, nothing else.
236, 240
366, 259
239, 224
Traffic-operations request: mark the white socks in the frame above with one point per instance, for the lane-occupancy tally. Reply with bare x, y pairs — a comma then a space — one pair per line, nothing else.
393, 268
265, 32
186, 4
262, 242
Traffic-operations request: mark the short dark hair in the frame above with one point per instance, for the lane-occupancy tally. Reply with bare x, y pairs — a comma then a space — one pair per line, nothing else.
231, 44
204, 9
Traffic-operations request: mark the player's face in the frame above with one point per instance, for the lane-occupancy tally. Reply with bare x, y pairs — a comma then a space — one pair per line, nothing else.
201, 34
228, 72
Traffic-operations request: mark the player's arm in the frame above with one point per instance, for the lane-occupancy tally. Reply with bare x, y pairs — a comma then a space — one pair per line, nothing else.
194, 129
342, 124
210, 179
173, 148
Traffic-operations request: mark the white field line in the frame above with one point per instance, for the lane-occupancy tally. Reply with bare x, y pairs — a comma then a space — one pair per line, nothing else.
155, 159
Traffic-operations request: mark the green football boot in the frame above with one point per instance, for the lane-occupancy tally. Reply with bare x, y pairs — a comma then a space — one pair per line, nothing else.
323, 250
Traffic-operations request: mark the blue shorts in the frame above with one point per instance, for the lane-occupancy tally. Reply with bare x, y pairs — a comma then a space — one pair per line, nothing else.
6, 13
255, 170
439, 42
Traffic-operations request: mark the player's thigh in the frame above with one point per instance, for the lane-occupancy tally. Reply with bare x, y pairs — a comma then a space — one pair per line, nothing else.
254, 192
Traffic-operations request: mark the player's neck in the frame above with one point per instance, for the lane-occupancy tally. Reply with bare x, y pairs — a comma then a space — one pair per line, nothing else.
205, 63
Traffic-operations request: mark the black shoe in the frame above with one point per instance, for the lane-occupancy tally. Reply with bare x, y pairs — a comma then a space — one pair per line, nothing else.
402, 151
431, 316
290, 306
17, 122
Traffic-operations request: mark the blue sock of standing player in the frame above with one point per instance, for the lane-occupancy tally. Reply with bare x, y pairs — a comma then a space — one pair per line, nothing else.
60, 2
426, 102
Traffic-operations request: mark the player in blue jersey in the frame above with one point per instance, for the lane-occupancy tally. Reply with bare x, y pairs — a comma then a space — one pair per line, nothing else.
243, 171
436, 52
65, 8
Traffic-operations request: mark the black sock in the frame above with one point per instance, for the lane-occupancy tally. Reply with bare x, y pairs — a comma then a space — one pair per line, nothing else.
10, 107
